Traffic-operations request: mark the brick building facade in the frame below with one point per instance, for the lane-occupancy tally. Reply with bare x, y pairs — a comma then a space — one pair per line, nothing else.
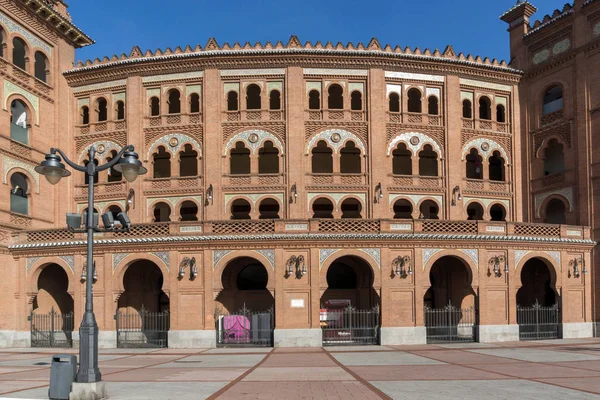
290, 178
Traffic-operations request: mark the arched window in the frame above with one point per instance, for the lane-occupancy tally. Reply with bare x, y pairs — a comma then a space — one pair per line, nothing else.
322, 208
19, 121
275, 100
19, 53
113, 174
553, 100
188, 211
253, 101
429, 210
432, 103
2, 41
154, 106
162, 163
496, 170
414, 100
401, 160
485, 108
19, 187
240, 209
174, 101
554, 158
102, 109
322, 158
500, 113
556, 212
474, 165
268, 159
403, 209
86, 178
85, 115
314, 100
239, 161
351, 208
162, 212
336, 97
114, 210
268, 209
350, 159
394, 105
428, 163
120, 110
41, 67
497, 213
474, 212
356, 101
188, 161
232, 101
467, 109
194, 103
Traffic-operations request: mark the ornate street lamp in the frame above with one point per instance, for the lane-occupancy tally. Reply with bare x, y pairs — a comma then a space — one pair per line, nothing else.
53, 169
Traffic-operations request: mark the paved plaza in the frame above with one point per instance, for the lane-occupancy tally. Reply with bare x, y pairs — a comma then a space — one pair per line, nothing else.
561, 369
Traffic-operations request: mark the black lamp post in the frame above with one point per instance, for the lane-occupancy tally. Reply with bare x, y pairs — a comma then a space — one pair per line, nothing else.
53, 169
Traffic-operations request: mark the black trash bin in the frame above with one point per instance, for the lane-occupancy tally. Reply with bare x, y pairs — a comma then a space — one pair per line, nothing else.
62, 374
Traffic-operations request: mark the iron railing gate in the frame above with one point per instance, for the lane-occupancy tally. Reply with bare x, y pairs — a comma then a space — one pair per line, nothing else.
142, 329
450, 324
350, 326
51, 329
538, 322
245, 328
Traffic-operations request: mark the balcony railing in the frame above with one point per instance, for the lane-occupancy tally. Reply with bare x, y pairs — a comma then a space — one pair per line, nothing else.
172, 119
485, 125
19, 134
337, 179
254, 115
252, 179
415, 118
487, 185
102, 188
328, 226
174, 182
336, 115
418, 181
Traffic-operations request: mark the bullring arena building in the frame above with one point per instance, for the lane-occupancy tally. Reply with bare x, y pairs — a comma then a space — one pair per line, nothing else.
301, 194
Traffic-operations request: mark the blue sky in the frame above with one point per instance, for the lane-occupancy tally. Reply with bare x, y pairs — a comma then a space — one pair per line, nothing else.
470, 26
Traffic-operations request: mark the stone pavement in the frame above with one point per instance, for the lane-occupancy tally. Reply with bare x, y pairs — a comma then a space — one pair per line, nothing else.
559, 369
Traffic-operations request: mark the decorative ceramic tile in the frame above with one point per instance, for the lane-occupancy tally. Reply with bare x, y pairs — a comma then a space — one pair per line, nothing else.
501, 100
117, 258
269, 255
432, 92
492, 146
556, 257
152, 93
172, 200
218, 256
251, 72
10, 89
83, 102
231, 86
375, 253
473, 255
313, 86
344, 136
416, 198
31, 261
193, 89
324, 255
70, 260
414, 77
254, 139
519, 254
165, 257
274, 86
427, 254
401, 227
9, 163
118, 97
466, 96
561, 46
32, 39
191, 228
567, 193
98, 86
541, 56
573, 232
174, 143
108, 147
335, 71
495, 228
393, 88
352, 86
485, 85
173, 77
415, 148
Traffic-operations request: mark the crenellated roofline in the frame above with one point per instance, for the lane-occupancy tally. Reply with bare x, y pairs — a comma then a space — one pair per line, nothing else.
293, 47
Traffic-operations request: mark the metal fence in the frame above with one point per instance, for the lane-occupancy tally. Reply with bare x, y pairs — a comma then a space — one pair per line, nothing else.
538, 322
142, 329
450, 324
51, 329
245, 328
350, 326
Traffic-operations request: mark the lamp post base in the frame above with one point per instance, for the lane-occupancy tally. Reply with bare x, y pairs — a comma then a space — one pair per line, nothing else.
88, 391
88, 350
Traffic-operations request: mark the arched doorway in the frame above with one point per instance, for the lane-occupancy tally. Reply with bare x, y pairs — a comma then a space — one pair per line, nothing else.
350, 304
450, 302
244, 307
52, 312
538, 304
143, 308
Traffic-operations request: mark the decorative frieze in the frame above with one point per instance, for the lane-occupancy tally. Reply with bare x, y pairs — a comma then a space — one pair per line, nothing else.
275, 86
336, 139
473, 255
561, 46
98, 86
173, 77
485, 85
103, 149
173, 143
193, 89
427, 254
32, 39
356, 86
10, 163
252, 72
254, 139
31, 262
313, 86
152, 93
393, 88
12, 89
269, 255
83, 102
117, 258
164, 256
335, 71
231, 87
432, 92
415, 142
485, 147
375, 253
218, 256
414, 77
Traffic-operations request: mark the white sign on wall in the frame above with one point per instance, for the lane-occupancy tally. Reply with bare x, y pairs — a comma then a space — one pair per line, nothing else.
297, 303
